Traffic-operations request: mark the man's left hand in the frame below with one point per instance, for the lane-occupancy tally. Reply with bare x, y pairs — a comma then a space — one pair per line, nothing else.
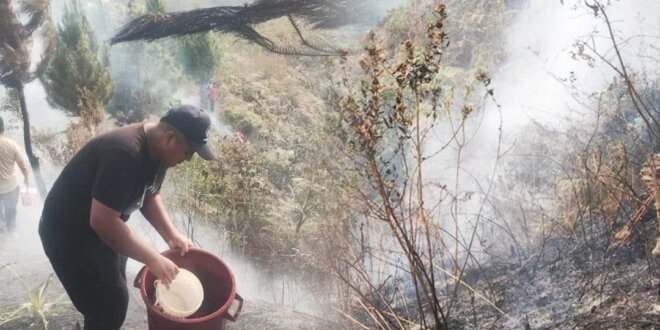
181, 242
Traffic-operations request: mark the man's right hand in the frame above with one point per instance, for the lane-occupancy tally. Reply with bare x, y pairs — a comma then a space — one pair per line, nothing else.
117, 235
164, 269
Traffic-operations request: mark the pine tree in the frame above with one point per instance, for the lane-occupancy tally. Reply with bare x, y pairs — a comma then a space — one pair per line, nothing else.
16, 40
200, 56
77, 81
143, 85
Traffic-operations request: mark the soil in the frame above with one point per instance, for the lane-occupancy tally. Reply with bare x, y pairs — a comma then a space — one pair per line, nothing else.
570, 284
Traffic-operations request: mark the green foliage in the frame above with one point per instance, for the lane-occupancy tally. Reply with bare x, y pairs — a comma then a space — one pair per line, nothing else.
397, 25
147, 74
133, 104
11, 102
237, 193
135, 9
297, 160
244, 199
476, 34
155, 6
77, 81
200, 55
147, 68
244, 120
270, 195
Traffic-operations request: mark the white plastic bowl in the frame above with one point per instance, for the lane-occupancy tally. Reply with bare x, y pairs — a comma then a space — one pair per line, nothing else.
183, 298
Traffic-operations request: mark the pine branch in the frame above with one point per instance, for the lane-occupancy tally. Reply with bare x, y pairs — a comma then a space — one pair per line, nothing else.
154, 26
239, 20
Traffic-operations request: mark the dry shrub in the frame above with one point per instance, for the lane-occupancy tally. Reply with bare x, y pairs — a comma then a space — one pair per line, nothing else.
60, 148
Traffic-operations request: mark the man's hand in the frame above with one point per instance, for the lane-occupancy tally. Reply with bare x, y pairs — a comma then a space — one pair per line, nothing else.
164, 269
154, 211
180, 242
117, 235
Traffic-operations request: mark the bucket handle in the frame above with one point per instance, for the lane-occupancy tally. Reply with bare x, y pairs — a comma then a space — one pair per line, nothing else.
138, 278
234, 317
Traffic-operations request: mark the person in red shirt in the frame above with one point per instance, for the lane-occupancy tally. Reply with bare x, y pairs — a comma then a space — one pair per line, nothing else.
203, 95
213, 95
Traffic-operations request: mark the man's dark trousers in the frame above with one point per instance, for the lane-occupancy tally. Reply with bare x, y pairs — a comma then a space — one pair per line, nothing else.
93, 275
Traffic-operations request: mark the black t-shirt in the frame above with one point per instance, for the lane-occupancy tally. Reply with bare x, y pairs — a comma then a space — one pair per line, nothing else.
115, 168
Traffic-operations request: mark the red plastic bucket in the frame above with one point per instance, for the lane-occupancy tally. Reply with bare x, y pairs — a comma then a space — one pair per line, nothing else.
219, 293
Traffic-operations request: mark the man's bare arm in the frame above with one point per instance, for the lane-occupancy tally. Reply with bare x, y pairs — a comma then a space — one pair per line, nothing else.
154, 210
116, 234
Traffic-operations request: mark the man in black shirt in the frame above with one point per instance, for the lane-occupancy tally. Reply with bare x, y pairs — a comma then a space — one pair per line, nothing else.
83, 228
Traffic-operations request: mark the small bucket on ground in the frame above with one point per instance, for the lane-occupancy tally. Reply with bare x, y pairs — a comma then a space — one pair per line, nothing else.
220, 303
28, 196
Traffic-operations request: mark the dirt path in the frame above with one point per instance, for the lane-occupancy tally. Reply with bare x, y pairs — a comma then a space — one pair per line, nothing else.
22, 251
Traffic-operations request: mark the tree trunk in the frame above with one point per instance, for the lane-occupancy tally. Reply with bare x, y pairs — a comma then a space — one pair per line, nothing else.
34, 161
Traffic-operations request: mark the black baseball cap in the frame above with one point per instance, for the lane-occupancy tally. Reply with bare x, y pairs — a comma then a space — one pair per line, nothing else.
194, 124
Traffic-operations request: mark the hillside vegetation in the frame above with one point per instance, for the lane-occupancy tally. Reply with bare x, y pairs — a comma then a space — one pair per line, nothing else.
384, 177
